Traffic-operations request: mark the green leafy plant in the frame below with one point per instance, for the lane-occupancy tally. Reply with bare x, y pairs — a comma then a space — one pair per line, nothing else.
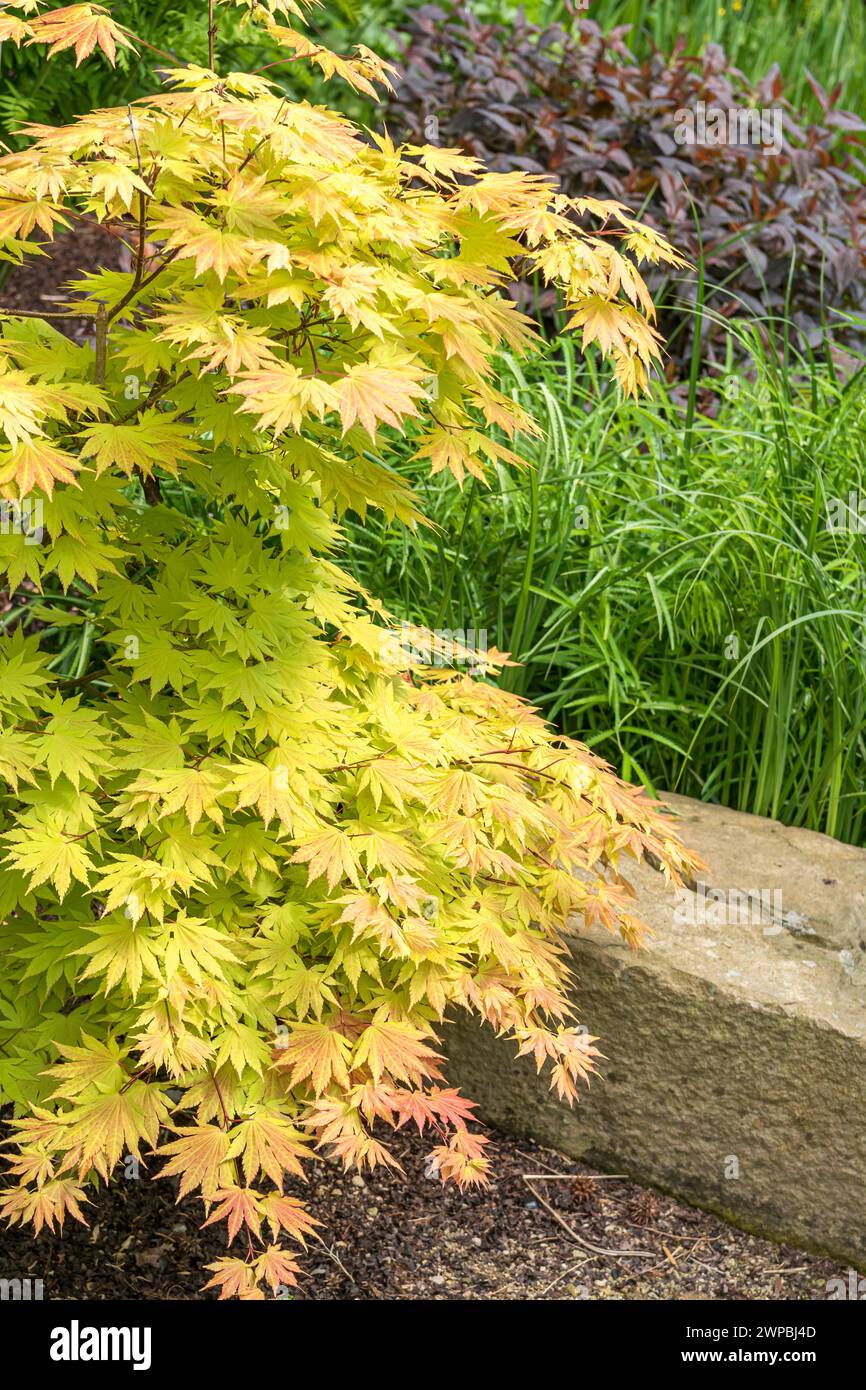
696, 613
255, 847
805, 38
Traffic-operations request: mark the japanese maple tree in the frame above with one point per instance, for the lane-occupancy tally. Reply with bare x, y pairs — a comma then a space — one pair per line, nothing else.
254, 848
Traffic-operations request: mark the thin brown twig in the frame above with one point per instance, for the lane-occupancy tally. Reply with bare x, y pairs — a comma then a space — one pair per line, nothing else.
564, 1275
570, 1177
47, 313
339, 1263
579, 1240
101, 345
143, 284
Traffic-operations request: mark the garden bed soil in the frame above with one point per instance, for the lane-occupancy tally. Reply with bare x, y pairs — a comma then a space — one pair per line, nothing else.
41, 284
391, 1236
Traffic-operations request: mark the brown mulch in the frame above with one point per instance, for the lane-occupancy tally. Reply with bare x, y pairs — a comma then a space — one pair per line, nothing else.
41, 283
386, 1236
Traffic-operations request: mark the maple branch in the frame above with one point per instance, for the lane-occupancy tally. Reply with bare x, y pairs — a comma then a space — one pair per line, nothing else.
131, 119
101, 345
143, 284
279, 62
236, 1163
213, 1077
79, 217
211, 34
161, 387
150, 487
168, 1017
258, 145
92, 677
526, 771
362, 762
48, 314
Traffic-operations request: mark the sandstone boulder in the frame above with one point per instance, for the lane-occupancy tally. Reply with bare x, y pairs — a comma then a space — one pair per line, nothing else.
735, 1042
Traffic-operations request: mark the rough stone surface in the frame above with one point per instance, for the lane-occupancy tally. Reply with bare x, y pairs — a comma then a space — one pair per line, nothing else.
735, 1042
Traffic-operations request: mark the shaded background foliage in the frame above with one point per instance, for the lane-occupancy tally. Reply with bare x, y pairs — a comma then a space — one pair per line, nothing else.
780, 235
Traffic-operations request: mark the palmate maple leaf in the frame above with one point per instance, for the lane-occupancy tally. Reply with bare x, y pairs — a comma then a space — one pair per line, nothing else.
282, 397
267, 1143
211, 247
95, 1064
426, 1107
33, 1166
235, 1279
278, 1268
195, 790
48, 854
37, 464
21, 404
44, 1205
372, 395
318, 1051
153, 440
82, 27
120, 952
360, 73
617, 329
266, 788
72, 743
197, 945
332, 854
22, 671
115, 185
462, 1159
199, 1157
288, 1215
357, 1149
19, 216
237, 1206
396, 1048
100, 1129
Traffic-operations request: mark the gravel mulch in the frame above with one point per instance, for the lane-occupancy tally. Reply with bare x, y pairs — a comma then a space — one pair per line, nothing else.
386, 1236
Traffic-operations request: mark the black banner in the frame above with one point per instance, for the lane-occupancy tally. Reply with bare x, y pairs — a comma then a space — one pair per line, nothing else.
209, 1338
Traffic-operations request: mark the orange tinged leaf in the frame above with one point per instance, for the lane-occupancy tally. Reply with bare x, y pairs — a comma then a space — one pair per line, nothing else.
237, 1206
268, 1143
234, 1278
288, 1215
395, 1048
44, 1205
82, 27
317, 1051
198, 1158
277, 1268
